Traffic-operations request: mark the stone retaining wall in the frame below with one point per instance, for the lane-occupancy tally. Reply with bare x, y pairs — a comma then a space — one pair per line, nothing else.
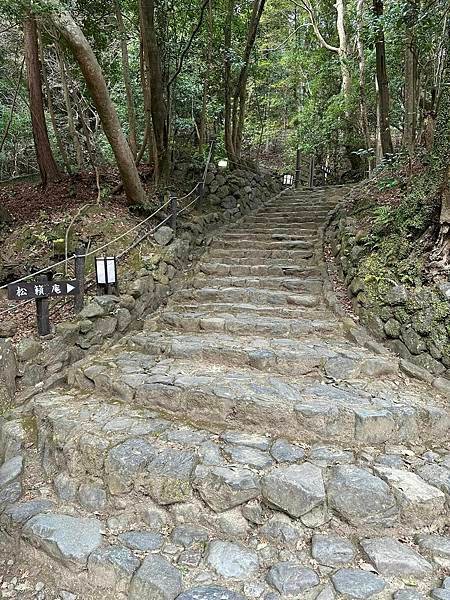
35, 364
413, 322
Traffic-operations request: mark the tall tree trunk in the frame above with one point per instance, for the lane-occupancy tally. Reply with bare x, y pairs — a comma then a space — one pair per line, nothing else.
47, 166
441, 152
203, 123
51, 110
158, 101
344, 55
229, 145
69, 108
146, 93
126, 79
383, 84
96, 84
362, 82
346, 77
409, 132
240, 94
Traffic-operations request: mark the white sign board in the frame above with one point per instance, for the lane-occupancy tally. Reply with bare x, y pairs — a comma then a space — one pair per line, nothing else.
105, 268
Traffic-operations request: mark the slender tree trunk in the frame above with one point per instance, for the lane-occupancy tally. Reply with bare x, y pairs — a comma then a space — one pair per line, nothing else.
146, 93
383, 85
47, 166
96, 84
240, 94
229, 145
441, 151
159, 107
409, 132
203, 124
344, 54
69, 108
362, 82
61, 147
126, 79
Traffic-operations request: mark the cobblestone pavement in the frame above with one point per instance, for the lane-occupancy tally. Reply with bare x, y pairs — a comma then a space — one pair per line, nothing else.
239, 446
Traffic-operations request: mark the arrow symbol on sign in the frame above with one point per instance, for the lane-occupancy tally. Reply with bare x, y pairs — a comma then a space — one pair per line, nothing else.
70, 288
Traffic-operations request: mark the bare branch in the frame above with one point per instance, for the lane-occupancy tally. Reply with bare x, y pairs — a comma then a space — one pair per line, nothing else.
308, 8
189, 44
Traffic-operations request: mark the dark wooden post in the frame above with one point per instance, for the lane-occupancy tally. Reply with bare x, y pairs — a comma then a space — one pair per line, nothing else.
311, 171
80, 261
173, 211
42, 314
297, 170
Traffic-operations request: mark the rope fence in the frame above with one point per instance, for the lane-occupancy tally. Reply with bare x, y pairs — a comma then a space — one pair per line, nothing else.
172, 201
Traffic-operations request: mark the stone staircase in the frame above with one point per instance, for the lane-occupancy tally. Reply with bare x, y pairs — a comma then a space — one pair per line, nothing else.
239, 446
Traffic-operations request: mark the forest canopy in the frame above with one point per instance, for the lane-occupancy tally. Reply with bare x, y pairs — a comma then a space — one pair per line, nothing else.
151, 82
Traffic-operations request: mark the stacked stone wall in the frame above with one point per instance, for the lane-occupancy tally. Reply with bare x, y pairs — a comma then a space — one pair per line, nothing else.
412, 320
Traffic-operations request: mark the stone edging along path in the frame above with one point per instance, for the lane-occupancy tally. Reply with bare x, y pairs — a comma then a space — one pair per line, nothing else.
239, 446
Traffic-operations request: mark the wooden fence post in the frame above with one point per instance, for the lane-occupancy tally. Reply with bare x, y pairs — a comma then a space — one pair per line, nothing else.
42, 314
297, 170
80, 261
311, 171
174, 211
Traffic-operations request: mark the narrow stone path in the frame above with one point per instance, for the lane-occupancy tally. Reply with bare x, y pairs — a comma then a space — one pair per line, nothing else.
239, 446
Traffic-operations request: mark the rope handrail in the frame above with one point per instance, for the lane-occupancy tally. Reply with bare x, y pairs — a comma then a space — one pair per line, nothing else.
116, 239
44, 270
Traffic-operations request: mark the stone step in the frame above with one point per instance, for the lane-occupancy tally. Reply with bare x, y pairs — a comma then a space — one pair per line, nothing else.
235, 308
247, 324
225, 268
287, 230
217, 252
254, 295
218, 398
263, 244
310, 356
278, 222
133, 500
288, 213
249, 234
319, 204
239, 259
293, 284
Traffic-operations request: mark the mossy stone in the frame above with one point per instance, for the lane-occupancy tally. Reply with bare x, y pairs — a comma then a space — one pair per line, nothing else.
446, 355
392, 328
385, 313
413, 341
401, 315
356, 286
423, 321
434, 350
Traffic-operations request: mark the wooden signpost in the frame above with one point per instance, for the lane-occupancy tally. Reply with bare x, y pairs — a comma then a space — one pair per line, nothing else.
41, 290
